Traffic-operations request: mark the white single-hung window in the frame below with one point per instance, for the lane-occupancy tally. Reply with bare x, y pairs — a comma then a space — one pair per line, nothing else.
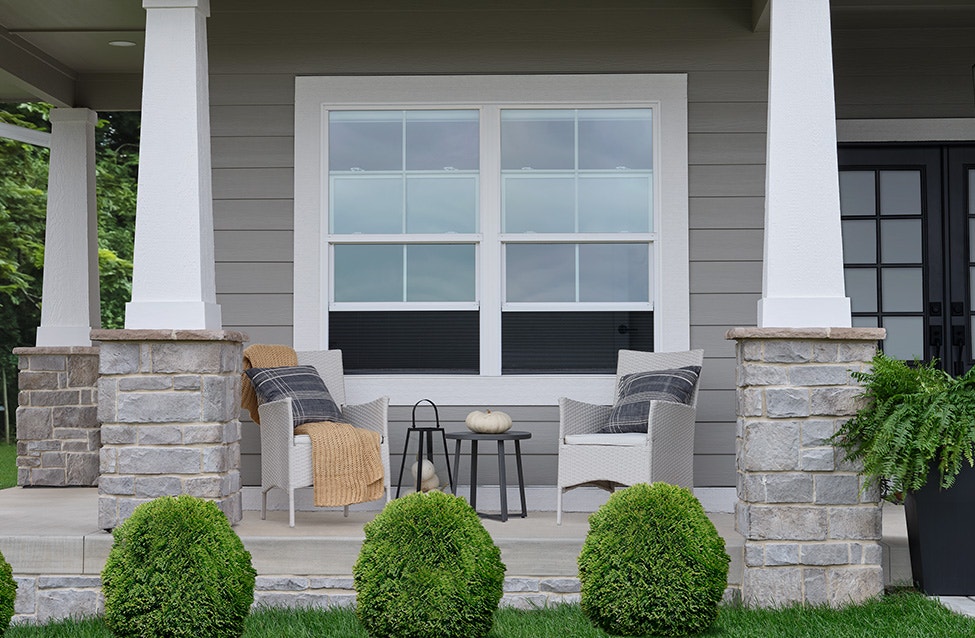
490, 233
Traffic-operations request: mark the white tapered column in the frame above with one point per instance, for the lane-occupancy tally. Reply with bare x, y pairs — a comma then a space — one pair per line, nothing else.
173, 272
70, 304
802, 283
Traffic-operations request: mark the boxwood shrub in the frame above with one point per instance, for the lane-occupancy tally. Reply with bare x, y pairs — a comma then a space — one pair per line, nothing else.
177, 569
652, 563
428, 569
8, 594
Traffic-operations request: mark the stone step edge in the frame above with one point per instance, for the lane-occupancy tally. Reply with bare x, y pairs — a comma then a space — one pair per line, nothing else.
44, 598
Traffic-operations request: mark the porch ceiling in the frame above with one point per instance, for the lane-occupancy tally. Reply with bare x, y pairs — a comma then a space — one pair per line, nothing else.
57, 50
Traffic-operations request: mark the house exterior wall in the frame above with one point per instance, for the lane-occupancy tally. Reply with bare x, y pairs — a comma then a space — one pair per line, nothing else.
252, 127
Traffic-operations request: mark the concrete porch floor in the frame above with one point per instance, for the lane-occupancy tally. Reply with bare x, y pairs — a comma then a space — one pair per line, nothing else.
54, 531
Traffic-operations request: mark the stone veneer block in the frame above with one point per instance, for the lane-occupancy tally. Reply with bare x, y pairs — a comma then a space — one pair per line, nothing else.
57, 421
168, 402
811, 533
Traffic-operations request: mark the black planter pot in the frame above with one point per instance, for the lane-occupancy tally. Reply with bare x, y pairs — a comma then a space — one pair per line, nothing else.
940, 534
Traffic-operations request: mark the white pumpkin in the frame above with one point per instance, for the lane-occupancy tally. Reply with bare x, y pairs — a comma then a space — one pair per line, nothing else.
428, 471
430, 484
488, 422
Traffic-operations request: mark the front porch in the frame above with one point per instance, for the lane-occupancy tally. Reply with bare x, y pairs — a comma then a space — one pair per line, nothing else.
50, 536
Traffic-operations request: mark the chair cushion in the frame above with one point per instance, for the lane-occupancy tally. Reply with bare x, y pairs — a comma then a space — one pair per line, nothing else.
627, 439
310, 399
637, 390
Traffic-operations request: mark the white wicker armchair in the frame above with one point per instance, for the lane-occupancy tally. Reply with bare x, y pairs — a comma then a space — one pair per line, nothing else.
286, 460
664, 453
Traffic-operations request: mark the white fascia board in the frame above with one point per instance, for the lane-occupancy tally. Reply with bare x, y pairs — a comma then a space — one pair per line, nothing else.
25, 135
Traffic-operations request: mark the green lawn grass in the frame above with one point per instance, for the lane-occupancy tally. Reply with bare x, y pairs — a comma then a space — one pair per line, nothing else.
903, 615
8, 464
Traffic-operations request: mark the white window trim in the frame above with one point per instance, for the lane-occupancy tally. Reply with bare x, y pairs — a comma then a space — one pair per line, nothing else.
667, 93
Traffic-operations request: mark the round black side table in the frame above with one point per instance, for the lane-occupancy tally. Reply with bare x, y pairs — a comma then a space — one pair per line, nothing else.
475, 438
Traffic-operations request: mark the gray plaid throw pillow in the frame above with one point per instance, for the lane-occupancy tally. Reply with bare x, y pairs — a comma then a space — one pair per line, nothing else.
310, 399
637, 390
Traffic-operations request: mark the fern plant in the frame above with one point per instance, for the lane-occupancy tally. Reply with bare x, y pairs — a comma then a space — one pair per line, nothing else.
916, 417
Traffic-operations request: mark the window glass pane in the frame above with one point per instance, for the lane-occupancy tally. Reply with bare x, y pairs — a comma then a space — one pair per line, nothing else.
406, 342
437, 272
365, 140
900, 192
900, 241
858, 193
367, 204
614, 204
571, 342
615, 139
905, 337
537, 139
441, 140
441, 204
861, 288
614, 272
540, 272
368, 272
539, 204
859, 242
902, 290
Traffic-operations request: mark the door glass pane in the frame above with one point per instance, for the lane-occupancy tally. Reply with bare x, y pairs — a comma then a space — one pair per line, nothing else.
860, 242
614, 272
441, 140
539, 204
971, 194
900, 241
441, 204
611, 204
858, 194
365, 140
864, 322
537, 139
368, 273
905, 337
900, 192
440, 272
615, 139
903, 290
540, 272
367, 204
861, 288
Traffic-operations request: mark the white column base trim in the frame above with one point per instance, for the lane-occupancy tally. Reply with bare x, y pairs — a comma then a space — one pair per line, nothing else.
63, 336
540, 498
804, 312
168, 315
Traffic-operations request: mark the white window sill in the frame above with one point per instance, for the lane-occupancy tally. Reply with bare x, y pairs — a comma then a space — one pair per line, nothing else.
472, 390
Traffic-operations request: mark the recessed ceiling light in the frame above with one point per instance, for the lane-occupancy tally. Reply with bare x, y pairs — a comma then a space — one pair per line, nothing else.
121, 43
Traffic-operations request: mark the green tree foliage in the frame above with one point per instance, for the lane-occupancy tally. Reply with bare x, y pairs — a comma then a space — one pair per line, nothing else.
23, 211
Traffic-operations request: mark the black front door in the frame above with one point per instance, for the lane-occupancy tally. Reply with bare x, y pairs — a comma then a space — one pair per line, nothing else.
908, 224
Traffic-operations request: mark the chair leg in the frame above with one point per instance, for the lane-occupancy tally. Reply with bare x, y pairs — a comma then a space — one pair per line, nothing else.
291, 507
558, 505
264, 504
345, 511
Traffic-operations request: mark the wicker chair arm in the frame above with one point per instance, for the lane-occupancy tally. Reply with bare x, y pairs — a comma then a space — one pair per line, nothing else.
577, 417
369, 416
672, 441
277, 435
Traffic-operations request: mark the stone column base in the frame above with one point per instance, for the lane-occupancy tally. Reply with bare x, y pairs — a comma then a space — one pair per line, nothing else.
58, 434
169, 404
811, 529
